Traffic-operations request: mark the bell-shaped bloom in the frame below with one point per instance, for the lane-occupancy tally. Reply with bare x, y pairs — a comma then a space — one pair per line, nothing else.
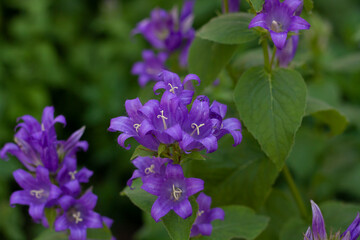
68, 148
279, 18
205, 216
36, 143
163, 118
198, 127
151, 66
171, 82
37, 192
78, 215
173, 191
224, 126
147, 166
286, 55
130, 126
167, 31
318, 231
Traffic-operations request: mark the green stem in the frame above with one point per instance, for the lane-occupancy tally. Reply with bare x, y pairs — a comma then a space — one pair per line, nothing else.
295, 192
226, 6
272, 58
264, 45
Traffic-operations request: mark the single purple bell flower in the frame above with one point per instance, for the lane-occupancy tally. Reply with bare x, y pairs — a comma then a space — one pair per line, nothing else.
286, 55
163, 118
198, 127
131, 125
38, 192
148, 166
279, 18
171, 82
224, 126
151, 66
205, 216
173, 191
78, 215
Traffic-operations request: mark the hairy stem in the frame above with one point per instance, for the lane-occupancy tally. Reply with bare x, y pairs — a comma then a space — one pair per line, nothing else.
272, 58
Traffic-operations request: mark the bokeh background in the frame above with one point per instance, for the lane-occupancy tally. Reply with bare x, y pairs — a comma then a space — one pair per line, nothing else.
77, 55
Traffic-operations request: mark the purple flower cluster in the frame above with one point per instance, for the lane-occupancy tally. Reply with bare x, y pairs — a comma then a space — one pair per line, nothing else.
167, 32
318, 231
279, 18
52, 180
169, 121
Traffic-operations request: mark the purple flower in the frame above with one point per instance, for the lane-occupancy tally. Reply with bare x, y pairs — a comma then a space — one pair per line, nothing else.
38, 192
167, 31
173, 191
147, 166
224, 126
130, 126
279, 18
198, 127
149, 69
205, 216
318, 231
163, 118
286, 55
171, 82
234, 6
78, 215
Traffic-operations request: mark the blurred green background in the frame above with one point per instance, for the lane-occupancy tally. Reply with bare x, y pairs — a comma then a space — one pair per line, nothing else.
77, 55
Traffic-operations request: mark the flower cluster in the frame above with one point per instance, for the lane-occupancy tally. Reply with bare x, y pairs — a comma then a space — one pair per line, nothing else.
167, 32
53, 179
318, 231
169, 122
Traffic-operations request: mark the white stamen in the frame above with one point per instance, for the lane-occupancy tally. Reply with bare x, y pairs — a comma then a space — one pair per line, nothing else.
42, 127
136, 126
150, 169
72, 175
77, 217
37, 193
276, 26
197, 128
172, 90
163, 118
199, 213
176, 192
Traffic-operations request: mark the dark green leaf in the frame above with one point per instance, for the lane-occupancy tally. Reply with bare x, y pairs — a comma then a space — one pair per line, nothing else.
294, 229
309, 5
228, 29
151, 230
192, 156
177, 227
142, 152
272, 107
240, 222
256, 4
161, 149
207, 59
99, 233
327, 114
51, 234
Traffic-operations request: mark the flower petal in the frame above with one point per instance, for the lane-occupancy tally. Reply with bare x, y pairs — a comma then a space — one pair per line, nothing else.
136, 174
308, 234
217, 213
122, 138
190, 77
193, 185
159, 85
298, 23
77, 233
210, 143
258, 21
93, 220
25, 179
61, 223
161, 207
183, 209
20, 197
205, 229
152, 185
293, 4
36, 211
354, 228
66, 202
279, 38
88, 200
318, 225
203, 201
174, 171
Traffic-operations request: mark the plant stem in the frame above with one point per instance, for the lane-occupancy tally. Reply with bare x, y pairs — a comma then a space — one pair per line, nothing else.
226, 5
264, 45
272, 58
295, 192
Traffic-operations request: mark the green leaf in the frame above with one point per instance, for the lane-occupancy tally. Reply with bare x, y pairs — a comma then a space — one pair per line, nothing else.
51, 234
256, 4
228, 29
99, 233
151, 230
272, 107
241, 175
177, 227
161, 149
294, 228
207, 59
240, 222
192, 156
50, 214
327, 114
142, 152
309, 5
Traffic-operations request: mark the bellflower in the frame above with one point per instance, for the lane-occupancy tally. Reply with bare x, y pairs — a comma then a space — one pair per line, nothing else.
147, 166
163, 118
151, 66
197, 128
167, 31
224, 126
78, 215
171, 82
286, 55
130, 126
38, 192
279, 18
205, 216
318, 231
173, 191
